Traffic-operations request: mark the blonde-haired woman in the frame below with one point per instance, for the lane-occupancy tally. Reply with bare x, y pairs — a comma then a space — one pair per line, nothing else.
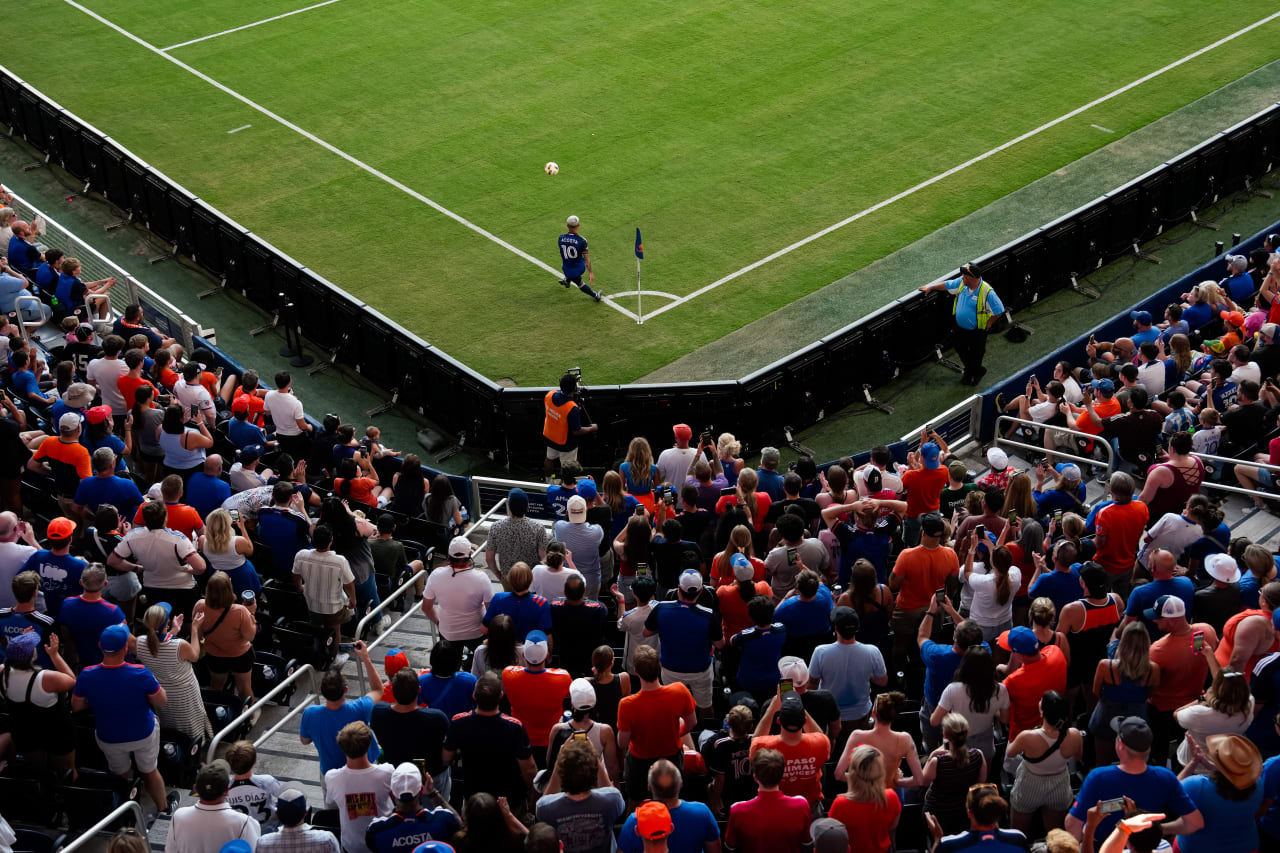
225, 544
868, 810
950, 771
728, 448
169, 660
739, 543
639, 473
1122, 685
229, 629
745, 497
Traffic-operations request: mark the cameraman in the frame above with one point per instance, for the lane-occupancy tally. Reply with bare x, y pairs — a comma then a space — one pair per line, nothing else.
563, 424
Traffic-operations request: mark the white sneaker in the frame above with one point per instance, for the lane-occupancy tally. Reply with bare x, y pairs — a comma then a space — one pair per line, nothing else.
341, 660
384, 623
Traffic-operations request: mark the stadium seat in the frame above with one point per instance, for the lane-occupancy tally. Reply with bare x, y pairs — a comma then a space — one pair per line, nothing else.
94, 795
221, 708
179, 757
913, 833
268, 671
31, 841
29, 794
305, 643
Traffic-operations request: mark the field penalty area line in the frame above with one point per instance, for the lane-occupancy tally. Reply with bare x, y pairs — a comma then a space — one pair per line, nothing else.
333, 149
961, 167
248, 26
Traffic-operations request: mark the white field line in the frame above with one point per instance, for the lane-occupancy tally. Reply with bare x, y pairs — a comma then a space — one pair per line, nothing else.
248, 26
1103, 129
661, 293
333, 149
240, 128
966, 164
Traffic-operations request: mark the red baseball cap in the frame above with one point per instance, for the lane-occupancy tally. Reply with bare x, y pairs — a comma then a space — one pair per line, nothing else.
653, 821
61, 528
240, 404
98, 414
682, 431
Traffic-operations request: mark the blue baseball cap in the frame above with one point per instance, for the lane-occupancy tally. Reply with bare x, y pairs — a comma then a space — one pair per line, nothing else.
587, 490
252, 453
1142, 318
1021, 640
433, 847
740, 560
518, 499
1104, 385
929, 453
23, 647
236, 845
114, 638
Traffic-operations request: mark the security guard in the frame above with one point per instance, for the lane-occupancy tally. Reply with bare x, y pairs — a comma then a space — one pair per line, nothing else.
562, 426
976, 310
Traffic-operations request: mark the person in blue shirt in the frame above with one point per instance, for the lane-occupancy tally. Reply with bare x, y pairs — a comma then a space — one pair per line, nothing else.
986, 809
206, 490
688, 634
1228, 796
1269, 825
59, 571
1238, 284
1152, 789
411, 825
976, 310
99, 432
443, 686
107, 488
47, 273
693, 826
25, 382
769, 480
11, 287
87, 615
1143, 330
72, 292
806, 615
23, 255
941, 661
760, 647
240, 430
574, 260
321, 723
528, 611
23, 617
1147, 601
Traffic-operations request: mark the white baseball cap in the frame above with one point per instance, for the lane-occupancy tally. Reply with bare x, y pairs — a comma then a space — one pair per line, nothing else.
582, 694
577, 508
70, 422
1222, 567
690, 579
742, 568
997, 459
535, 647
572, 221
406, 781
459, 547
794, 668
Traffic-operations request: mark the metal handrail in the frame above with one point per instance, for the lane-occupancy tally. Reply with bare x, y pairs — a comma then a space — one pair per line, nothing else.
492, 510
17, 307
500, 482
248, 712
360, 626
133, 806
972, 403
1109, 465
1240, 490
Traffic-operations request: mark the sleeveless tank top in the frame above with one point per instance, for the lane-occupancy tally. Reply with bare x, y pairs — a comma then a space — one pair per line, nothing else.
873, 627
1089, 644
1050, 763
730, 474
177, 456
1174, 497
227, 561
607, 698
1228, 644
1126, 691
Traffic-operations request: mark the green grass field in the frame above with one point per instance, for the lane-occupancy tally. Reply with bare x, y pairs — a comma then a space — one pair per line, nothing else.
726, 131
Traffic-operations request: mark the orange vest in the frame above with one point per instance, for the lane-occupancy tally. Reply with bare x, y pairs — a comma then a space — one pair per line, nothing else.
555, 428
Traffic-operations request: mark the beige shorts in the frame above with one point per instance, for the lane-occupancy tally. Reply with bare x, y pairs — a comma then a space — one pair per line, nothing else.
121, 757
699, 684
563, 455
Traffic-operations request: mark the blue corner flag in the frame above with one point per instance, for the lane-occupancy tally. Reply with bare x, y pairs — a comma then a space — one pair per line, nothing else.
639, 246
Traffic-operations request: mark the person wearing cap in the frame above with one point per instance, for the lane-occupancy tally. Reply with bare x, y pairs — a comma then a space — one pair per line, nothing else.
577, 804
76, 399
691, 828
847, 669
494, 747
64, 458
35, 676
536, 694
462, 592
563, 424
404, 728
733, 599
583, 540
360, 789
828, 835
976, 310
918, 573
528, 610
295, 835
801, 743
924, 481
124, 698
1098, 404
59, 571
576, 260
515, 539
653, 827
774, 819
27, 614
688, 635
106, 487
246, 472
1228, 795
1037, 671
1238, 284
1143, 327
87, 615
999, 473
240, 430
1222, 598
410, 824
211, 823
1152, 789
1266, 352
583, 702
674, 462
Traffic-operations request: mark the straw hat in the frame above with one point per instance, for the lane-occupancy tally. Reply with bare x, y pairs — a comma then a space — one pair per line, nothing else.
1236, 757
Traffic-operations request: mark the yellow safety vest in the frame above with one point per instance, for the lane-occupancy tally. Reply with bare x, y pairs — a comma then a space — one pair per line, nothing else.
984, 313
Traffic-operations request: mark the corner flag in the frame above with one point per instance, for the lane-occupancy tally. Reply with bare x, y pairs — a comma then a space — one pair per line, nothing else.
639, 246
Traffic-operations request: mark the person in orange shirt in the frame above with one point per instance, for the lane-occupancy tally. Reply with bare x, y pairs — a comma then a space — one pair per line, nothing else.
129, 384
1095, 410
651, 722
917, 575
182, 518
65, 458
1037, 672
924, 483
801, 742
249, 396
536, 693
1120, 528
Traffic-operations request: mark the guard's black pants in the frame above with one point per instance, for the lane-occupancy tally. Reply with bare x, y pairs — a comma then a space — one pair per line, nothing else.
971, 346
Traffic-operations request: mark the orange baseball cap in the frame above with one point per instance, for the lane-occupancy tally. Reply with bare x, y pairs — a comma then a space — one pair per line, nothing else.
61, 528
653, 821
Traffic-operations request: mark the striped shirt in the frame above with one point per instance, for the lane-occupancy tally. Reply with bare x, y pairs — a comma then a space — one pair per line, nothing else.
299, 839
323, 574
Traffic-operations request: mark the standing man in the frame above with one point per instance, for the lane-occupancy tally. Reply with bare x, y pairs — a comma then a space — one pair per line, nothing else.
292, 430
976, 309
462, 594
574, 260
562, 425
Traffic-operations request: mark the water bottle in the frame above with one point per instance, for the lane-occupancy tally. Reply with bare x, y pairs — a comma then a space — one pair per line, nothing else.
247, 597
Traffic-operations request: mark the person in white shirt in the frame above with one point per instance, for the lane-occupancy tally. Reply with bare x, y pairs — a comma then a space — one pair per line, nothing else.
14, 556
292, 429
245, 473
673, 463
1241, 367
549, 577
190, 393
252, 793
631, 622
882, 461
104, 374
210, 823
1151, 369
462, 593
361, 790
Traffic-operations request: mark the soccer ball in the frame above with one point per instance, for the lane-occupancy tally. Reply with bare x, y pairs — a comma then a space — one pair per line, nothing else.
551, 168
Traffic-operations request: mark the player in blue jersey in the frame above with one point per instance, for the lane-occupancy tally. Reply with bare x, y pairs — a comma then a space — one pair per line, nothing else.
574, 260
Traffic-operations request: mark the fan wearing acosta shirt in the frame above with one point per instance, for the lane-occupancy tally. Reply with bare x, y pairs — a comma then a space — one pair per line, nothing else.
411, 825
124, 698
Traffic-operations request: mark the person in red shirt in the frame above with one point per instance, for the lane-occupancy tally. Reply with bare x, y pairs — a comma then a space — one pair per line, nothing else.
651, 722
182, 518
249, 397
801, 743
868, 811
1035, 671
394, 661
536, 693
754, 504
772, 821
734, 599
131, 381
918, 573
1120, 527
924, 483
